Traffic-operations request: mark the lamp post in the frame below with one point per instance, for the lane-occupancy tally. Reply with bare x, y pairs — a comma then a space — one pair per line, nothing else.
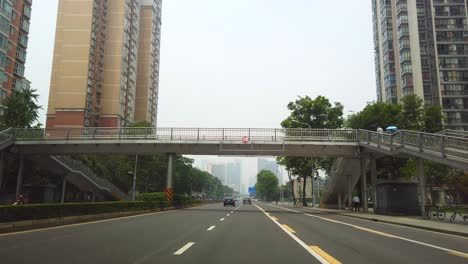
312, 164
134, 178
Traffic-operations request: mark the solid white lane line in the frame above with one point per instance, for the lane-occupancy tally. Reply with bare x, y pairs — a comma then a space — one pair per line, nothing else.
287, 209
184, 248
222, 219
211, 228
85, 223
454, 252
300, 242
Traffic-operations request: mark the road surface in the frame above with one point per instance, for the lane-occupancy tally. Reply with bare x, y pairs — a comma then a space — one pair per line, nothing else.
258, 233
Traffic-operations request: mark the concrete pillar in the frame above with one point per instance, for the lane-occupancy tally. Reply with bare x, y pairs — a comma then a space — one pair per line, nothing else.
19, 181
422, 184
64, 190
364, 185
374, 181
170, 174
339, 201
2, 168
350, 193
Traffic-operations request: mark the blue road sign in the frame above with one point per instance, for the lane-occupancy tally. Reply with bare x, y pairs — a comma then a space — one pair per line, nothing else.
252, 190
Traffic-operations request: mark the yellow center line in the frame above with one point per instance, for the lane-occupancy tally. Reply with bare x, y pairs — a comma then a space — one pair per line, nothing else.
459, 254
325, 255
289, 229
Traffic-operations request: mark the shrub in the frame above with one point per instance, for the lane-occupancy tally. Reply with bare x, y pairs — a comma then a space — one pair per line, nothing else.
41, 211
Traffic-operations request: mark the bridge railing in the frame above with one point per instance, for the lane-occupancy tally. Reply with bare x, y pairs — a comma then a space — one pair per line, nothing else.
188, 134
434, 144
101, 183
6, 135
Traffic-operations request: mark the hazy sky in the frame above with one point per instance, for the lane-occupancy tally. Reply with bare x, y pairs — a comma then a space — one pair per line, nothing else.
227, 63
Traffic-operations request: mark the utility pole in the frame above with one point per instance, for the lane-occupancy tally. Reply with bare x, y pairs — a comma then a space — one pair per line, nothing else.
134, 178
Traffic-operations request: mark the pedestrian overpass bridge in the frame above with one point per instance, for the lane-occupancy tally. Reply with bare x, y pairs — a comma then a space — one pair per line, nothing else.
355, 149
451, 150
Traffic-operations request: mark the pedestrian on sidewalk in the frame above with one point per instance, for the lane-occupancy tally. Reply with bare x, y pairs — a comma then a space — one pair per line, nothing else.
379, 134
356, 203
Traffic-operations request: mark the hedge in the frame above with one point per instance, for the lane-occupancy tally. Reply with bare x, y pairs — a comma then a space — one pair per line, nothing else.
11, 213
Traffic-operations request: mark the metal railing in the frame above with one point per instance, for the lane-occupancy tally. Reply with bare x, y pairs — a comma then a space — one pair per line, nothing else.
6, 135
188, 134
444, 145
99, 182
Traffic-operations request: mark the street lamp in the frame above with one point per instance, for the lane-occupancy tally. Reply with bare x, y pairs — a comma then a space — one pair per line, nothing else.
134, 178
312, 164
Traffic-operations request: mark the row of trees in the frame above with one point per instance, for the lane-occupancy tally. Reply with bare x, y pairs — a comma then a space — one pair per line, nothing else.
410, 113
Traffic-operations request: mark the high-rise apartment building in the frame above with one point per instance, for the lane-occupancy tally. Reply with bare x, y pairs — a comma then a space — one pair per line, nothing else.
421, 47
95, 78
14, 31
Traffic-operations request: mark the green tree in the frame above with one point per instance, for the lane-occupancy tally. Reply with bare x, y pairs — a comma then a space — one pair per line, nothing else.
318, 113
433, 118
20, 109
375, 115
267, 185
412, 115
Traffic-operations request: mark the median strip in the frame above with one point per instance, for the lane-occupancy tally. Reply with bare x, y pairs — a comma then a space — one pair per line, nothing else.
325, 255
184, 248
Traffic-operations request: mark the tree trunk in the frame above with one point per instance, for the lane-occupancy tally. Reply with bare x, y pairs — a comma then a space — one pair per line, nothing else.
304, 202
292, 187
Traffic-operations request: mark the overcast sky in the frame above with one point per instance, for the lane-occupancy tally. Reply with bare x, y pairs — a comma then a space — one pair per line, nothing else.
237, 63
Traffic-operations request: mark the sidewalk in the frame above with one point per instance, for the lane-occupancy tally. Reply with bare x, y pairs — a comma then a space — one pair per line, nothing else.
458, 228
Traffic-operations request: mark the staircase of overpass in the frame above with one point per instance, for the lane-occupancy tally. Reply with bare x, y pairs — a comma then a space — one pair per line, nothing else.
81, 175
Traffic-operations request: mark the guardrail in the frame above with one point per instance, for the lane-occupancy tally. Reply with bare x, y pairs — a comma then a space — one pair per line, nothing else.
188, 134
441, 144
6, 135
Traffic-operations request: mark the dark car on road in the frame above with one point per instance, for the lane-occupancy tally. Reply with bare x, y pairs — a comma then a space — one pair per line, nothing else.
247, 201
229, 201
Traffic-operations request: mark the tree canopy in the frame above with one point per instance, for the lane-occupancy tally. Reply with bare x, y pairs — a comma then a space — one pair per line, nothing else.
267, 185
20, 109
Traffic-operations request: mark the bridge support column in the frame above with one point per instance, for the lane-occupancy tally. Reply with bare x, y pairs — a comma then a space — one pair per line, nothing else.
19, 181
64, 190
364, 185
374, 181
170, 174
350, 193
339, 201
422, 184
2, 167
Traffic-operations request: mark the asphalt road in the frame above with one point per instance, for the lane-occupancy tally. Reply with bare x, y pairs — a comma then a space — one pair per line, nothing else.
258, 233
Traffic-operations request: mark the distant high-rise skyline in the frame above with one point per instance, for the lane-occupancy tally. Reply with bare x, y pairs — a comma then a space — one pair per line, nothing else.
106, 63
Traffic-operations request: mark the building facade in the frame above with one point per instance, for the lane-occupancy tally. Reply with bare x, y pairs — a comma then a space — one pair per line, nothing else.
14, 31
421, 47
95, 66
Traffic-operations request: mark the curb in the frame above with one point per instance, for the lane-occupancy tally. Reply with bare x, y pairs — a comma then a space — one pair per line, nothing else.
26, 225
450, 232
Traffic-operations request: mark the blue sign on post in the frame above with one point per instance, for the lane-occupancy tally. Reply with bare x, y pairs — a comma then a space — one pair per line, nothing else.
252, 190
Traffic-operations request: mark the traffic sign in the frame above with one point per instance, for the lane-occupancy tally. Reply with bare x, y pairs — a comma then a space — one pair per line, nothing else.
245, 140
252, 190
